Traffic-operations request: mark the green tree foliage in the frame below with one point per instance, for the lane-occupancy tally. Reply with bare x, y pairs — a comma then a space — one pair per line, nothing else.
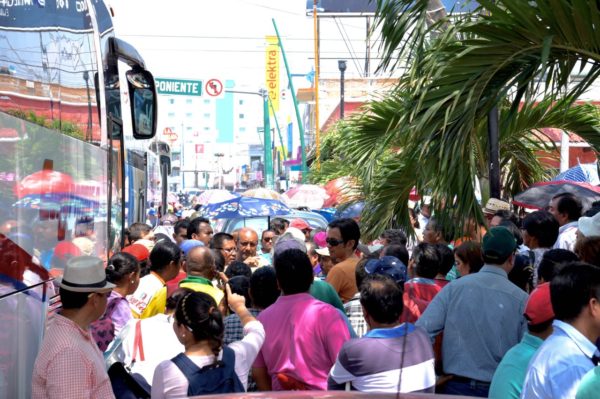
431, 131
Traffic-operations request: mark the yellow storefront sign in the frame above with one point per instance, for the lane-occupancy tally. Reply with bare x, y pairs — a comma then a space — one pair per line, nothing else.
272, 71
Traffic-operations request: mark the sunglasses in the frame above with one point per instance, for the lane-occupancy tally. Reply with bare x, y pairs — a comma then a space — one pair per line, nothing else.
268, 239
332, 242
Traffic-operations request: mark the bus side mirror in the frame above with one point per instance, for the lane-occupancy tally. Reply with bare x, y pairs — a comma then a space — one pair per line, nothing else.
142, 97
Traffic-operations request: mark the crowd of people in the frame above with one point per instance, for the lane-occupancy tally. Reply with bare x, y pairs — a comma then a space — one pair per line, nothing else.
507, 310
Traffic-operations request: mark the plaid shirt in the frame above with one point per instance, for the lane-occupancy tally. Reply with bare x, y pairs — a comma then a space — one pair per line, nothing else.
234, 331
354, 312
69, 364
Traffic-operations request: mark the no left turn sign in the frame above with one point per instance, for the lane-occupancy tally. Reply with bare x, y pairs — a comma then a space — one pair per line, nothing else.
214, 87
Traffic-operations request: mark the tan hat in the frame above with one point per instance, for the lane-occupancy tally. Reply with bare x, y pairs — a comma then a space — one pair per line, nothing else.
494, 204
84, 274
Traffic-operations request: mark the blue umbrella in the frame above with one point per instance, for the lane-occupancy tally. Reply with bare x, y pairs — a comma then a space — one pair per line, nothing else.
245, 207
59, 202
349, 210
327, 213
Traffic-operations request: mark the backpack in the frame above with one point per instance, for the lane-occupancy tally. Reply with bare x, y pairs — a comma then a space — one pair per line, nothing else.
212, 379
103, 329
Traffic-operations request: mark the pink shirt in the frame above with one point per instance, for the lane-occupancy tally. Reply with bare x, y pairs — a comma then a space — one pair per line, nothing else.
69, 364
303, 338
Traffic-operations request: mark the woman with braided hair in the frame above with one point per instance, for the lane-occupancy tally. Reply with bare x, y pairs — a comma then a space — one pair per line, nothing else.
207, 366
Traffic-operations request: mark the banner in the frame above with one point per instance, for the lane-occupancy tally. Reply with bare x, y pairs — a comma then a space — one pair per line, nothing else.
272, 72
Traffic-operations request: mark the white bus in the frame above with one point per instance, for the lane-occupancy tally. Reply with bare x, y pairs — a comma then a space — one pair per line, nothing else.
77, 120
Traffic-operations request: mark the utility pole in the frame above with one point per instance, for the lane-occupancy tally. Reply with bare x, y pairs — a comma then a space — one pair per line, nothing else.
342, 68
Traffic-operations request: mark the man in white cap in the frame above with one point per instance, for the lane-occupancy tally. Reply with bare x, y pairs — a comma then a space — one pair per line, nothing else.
69, 364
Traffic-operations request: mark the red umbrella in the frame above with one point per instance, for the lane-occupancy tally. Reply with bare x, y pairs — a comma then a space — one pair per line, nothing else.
45, 182
341, 190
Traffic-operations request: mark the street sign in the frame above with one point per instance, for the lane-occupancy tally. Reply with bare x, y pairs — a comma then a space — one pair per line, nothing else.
182, 87
199, 148
214, 87
170, 135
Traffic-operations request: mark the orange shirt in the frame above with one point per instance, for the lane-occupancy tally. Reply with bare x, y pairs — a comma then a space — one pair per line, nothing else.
342, 278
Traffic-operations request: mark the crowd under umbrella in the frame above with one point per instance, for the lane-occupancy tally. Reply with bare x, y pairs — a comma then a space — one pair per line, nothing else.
244, 207
215, 196
306, 195
538, 196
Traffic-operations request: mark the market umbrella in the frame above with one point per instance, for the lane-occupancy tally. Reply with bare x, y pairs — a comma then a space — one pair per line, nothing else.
341, 190
308, 195
538, 196
264, 193
244, 207
215, 196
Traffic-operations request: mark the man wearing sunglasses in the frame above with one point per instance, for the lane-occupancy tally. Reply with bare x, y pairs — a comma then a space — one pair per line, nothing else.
342, 240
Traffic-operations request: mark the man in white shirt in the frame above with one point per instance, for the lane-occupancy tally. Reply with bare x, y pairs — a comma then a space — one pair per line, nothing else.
569, 353
566, 209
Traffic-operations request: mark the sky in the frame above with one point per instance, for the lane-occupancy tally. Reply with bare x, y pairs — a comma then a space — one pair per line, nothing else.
225, 39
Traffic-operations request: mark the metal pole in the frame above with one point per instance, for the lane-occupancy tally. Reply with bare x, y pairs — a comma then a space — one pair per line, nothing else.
298, 118
494, 153
182, 161
269, 183
342, 68
277, 126
317, 125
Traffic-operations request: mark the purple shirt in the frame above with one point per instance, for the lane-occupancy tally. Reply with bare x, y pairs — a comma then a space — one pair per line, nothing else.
122, 312
303, 338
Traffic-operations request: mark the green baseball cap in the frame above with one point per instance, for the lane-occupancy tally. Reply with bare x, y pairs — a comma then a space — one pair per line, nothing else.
498, 243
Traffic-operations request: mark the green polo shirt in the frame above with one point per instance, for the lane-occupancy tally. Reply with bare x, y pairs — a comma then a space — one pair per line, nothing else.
589, 387
509, 377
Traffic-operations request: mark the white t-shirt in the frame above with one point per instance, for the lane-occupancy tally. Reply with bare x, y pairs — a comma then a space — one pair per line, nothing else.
159, 343
149, 286
170, 382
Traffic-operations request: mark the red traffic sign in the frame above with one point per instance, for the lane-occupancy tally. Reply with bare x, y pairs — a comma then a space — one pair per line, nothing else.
214, 87
199, 148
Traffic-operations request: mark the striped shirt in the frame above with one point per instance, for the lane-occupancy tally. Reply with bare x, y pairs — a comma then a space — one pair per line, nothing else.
69, 364
353, 310
398, 359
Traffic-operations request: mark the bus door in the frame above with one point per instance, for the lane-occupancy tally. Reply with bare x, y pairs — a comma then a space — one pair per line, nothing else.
135, 203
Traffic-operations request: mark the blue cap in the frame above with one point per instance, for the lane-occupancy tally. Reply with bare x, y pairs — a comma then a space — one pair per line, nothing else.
189, 244
388, 266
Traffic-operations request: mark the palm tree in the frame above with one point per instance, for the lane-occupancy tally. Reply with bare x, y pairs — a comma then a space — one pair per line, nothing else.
430, 132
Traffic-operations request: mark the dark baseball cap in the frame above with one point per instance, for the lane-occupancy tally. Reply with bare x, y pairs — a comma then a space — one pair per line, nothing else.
498, 243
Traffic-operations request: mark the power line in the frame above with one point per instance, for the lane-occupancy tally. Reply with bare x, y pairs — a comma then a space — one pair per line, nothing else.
166, 36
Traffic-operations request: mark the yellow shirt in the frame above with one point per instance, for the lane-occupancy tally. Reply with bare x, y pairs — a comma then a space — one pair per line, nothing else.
158, 303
